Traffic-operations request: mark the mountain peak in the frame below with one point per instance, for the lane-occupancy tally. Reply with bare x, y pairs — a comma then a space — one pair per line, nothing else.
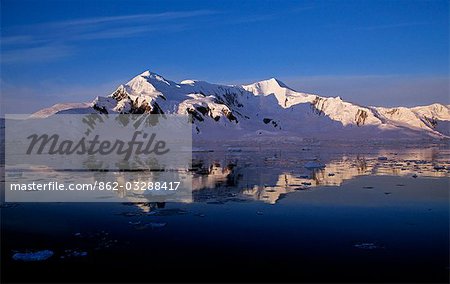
271, 83
277, 82
148, 83
150, 78
149, 75
146, 73
267, 87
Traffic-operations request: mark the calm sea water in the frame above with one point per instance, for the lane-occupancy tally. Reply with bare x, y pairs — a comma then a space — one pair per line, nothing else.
371, 214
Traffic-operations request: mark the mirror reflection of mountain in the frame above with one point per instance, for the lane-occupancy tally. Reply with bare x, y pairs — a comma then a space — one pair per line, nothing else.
243, 174
240, 176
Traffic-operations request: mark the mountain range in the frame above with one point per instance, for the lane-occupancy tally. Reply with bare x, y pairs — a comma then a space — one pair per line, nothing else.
265, 108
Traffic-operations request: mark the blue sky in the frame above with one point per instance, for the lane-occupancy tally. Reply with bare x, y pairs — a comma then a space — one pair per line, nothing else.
369, 52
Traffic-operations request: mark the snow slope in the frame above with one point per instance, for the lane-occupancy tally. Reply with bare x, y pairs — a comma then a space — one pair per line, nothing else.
64, 108
265, 108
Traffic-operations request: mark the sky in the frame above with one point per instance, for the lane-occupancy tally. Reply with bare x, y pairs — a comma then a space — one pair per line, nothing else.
384, 53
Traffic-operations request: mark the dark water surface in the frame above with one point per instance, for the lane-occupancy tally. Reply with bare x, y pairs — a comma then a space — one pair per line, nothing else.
254, 217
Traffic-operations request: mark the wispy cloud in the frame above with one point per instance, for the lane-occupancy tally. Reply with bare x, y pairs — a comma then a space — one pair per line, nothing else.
114, 33
35, 54
95, 21
276, 15
390, 26
14, 40
52, 40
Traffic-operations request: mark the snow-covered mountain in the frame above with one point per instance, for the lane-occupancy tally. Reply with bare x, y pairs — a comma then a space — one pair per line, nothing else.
265, 108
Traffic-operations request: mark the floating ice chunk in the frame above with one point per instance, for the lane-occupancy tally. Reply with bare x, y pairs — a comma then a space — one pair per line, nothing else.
170, 212
314, 165
80, 253
8, 205
156, 225
33, 256
200, 150
367, 246
130, 214
271, 158
74, 253
311, 158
